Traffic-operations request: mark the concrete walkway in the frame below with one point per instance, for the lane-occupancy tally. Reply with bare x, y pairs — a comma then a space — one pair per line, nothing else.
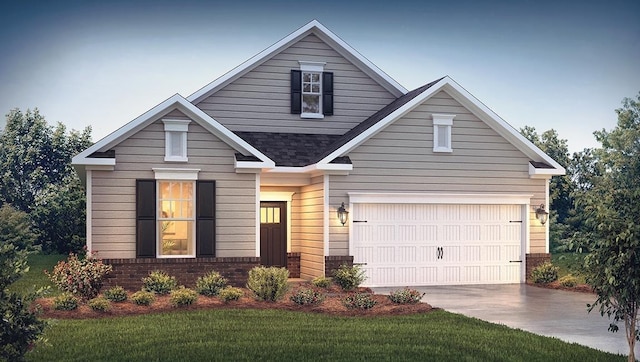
552, 313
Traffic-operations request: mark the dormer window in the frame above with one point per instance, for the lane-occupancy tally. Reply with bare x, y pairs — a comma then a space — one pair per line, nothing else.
175, 140
311, 90
442, 124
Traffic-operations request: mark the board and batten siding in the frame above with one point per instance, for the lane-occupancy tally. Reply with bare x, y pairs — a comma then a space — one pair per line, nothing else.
113, 192
260, 101
309, 215
400, 158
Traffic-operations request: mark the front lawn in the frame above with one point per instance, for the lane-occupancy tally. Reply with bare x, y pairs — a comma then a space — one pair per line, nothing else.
248, 335
570, 263
38, 263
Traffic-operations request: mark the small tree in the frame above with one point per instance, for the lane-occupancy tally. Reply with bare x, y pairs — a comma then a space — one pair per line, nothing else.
612, 212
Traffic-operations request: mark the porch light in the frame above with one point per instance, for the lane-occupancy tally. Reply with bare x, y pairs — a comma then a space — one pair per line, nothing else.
542, 214
343, 214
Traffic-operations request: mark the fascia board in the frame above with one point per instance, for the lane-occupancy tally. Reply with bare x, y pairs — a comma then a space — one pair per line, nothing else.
544, 172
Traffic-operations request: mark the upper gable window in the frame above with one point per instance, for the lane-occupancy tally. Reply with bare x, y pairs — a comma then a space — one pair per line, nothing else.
311, 90
175, 140
442, 124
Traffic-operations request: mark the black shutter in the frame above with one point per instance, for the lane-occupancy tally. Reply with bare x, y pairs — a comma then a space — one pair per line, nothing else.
145, 218
327, 93
296, 92
206, 219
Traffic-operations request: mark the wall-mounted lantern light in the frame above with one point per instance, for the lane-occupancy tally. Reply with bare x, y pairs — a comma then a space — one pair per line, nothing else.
343, 214
542, 214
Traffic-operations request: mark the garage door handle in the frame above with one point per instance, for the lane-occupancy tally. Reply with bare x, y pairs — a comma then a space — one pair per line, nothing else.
439, 252
515, 261
359, 221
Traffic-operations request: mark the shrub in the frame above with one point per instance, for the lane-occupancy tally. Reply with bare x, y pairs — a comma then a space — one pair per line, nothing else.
359, 301
159, 282
321, 282
545, 273
568, 281
348, 277
406, 296
210, 284
230, 293
99, 304
307, 297
80, 276
65, 301
268, 284
116, 294
183, 296
143, 297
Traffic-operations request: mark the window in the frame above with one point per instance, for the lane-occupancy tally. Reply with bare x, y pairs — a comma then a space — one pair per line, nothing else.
442, 124
176, 218
311, 91
175, 133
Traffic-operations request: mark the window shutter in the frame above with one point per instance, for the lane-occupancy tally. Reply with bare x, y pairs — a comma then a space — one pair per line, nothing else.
145, 218
327, 93
296, 92
206, 219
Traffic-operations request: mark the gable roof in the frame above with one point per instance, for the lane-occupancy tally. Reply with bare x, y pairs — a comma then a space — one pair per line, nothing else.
403, 105
92, 156
313, 27
289, 149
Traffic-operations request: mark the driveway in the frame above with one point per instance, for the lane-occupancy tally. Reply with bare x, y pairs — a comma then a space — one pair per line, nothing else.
547, 312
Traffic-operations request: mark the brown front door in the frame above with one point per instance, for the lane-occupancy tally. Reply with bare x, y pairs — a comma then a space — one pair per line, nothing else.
273, 234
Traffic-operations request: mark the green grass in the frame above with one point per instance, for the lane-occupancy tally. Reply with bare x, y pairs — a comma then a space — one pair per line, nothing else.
569, 263
36, 276
248, 335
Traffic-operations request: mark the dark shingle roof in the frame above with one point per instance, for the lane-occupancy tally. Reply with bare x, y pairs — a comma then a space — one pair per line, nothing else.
539, 164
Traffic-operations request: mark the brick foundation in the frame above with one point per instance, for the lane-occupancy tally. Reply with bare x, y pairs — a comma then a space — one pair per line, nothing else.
128, 273
333, 262
293, 265
533, 260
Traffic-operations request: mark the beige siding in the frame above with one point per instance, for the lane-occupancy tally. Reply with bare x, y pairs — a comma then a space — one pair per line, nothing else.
308, 215
259, 101
401, 158
113, 203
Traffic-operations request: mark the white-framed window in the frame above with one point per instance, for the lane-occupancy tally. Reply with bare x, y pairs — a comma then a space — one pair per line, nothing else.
175, 137
442, 124
176, 219
311, 89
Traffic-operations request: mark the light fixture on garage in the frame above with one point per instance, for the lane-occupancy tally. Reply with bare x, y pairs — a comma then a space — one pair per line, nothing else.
542, 214
343, 214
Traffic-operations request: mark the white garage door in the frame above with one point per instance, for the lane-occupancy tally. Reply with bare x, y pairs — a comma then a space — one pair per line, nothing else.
432, 244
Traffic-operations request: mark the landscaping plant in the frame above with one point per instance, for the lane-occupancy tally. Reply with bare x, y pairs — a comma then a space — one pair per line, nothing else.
307, 297
568, 281
321, 282
80, 276
406, 296
99, 304
210, 284
65, 301
359, 301
116, 294
183, 296
268, 283
159, 282
142, 297
349, 277
544, 273
230, 293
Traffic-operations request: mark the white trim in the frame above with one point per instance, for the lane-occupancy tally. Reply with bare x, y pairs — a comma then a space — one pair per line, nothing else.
544, 172
308, 66
281, 196
325, 217
194, 242
437, 198
546, 206
313, 27
313, 115
175, 128
178, 174
89, 212
445, 120
257, 214
524, 249
176, 125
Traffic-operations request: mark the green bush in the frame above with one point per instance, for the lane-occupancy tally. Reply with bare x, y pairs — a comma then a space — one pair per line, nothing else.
65, 301
183, 296
544, 273
143, 297
268, 284
100, 304
568, 281
321, 282
359, 301
116, 294
406, 296
82, 277
348, 277
307, 297
230, 293
210, 284
159, 282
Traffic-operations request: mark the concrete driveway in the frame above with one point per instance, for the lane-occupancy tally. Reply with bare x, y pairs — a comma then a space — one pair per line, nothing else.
552, 313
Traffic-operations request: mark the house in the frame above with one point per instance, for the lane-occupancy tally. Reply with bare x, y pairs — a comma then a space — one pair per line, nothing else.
433, 187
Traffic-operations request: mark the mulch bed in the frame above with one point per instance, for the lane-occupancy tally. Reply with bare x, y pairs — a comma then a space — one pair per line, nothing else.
581, 288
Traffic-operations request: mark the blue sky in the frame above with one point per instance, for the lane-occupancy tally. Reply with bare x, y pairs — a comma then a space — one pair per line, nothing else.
549, 64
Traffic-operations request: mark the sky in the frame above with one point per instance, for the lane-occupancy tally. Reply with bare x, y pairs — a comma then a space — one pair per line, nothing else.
565, 65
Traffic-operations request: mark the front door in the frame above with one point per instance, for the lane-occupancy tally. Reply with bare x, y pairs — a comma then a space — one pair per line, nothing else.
273, 234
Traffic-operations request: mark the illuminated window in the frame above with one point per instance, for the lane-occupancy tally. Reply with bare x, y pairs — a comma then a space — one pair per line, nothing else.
176, 218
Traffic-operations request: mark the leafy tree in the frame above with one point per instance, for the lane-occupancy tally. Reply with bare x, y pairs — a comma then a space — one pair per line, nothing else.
19, 326
36, 177
612, 208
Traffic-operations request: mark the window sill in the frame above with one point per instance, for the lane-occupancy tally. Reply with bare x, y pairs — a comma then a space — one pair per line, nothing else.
174, 256
175, 159
312, 115
443, 150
